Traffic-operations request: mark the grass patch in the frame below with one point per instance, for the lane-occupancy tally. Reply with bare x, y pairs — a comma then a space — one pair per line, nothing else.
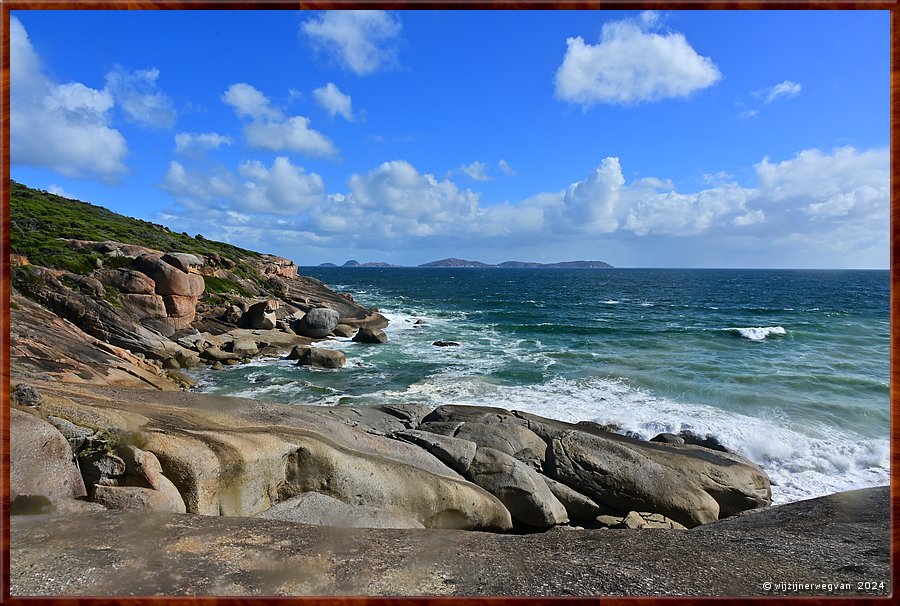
222, 286
39, 221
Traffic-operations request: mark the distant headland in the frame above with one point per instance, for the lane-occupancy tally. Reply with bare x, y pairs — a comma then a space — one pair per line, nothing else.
454, 262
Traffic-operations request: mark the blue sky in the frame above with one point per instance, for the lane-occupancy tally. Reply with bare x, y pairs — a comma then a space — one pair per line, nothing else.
658, 139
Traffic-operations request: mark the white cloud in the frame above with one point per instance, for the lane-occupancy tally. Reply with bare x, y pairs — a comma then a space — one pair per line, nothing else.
63, 127
197, 143
294, 134
801, 209
334, 101
477, 171
250, 103
632, 65
282, 189
504, 166
140, 98
591, 204
785, 89
360, 41
269, 129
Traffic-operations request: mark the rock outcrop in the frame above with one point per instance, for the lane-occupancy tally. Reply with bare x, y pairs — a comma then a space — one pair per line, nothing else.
41, 461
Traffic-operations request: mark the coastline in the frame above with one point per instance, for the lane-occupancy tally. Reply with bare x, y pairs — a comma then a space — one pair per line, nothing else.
101, 376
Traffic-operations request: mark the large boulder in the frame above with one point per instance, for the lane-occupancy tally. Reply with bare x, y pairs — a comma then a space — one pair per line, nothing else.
453, 452
169, 280
322, 510
370, 335
244, 347
580, 508
321, 358
138, 498
626, 479
40, 460
508, 437
317, 323
183, 261
372, 481
520, 488
733, 482
260, 316
143, 305
127, 281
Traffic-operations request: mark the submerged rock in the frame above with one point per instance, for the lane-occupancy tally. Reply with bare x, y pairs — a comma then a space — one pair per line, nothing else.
370, 335
321, 358
445, 344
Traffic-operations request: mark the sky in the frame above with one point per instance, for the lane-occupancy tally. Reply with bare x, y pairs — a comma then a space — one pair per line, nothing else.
639, 138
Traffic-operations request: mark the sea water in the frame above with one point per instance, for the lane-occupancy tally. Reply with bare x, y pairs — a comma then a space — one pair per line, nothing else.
789, 368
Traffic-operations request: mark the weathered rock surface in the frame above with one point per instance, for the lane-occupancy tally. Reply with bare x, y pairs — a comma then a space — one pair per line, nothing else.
229, 456
321, 358
41, 460
519, 487
140, 499
260, 315
147, 553
343, 330
370, 335
579, 507
456, 453
636, 520
322, 510
25, 394
317, 323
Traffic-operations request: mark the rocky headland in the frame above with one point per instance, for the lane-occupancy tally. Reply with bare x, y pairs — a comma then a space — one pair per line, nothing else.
204, 494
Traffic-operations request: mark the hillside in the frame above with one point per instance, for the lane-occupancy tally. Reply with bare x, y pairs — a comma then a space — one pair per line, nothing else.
145, 290
40, 222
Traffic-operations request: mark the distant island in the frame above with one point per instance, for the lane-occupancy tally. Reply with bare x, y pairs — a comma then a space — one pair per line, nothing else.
355, 263
454, 262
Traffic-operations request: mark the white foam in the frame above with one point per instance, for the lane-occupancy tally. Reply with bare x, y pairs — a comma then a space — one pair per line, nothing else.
758, 333
612, 302
802, 464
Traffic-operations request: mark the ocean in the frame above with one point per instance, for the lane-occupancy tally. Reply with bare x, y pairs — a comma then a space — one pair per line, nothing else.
789, 368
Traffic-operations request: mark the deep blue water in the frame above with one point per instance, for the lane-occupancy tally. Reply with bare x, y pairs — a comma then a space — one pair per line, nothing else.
788, 367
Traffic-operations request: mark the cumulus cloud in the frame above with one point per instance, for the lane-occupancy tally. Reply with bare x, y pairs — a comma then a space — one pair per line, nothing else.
783, 90
248, 102
198, 143
63, 127
293, 134
139, 97
269, 129
334, 101
477, 171
632, 64
592, 204
281, 189
361, 41
815, 201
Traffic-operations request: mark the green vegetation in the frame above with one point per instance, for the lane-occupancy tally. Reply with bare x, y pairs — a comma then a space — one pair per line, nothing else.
223, 285
40, 221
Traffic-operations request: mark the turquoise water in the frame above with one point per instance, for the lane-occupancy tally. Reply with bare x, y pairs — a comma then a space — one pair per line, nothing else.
789, 368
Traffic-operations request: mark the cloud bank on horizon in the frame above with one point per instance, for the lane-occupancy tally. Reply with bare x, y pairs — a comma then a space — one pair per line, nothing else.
323, 164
